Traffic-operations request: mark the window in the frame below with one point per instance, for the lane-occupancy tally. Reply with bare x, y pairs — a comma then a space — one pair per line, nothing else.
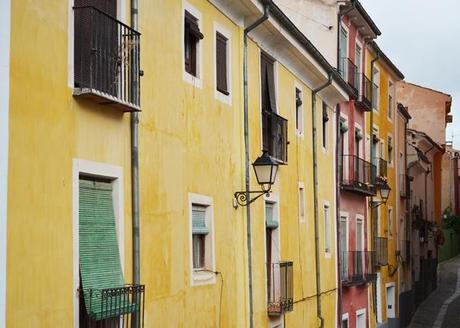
222, 64
343, 240
344, 321
361, 319
192, 36
274, 127
301, 202
271, 244
390, 222
390, 100
358, 138
343, 52
267, 72
358, 67
327, 228
298, 112
390, 150
199, 232
99, 264
202, 244
375, 88
325, 120
359, 234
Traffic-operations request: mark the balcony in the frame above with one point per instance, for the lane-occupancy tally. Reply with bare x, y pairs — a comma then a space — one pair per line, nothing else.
356, 175
357, 267
113, 307
381, 251
349, 73
274, 130
280, 288
106, 60
365, 98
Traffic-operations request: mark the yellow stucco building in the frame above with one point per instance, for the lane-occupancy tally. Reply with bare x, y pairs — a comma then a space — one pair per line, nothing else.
209, 107
382, 135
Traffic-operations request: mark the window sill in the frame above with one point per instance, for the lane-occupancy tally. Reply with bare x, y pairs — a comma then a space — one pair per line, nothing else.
193, 80
222, 97
105, 99
200, 277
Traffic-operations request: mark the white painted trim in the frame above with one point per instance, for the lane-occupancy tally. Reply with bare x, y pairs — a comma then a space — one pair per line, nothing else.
377, 82
345, 316
226, 99
98, 170
300, 186
358, 313
5, 33
379, 298
196, 81
390, 285
199, 278
346, 216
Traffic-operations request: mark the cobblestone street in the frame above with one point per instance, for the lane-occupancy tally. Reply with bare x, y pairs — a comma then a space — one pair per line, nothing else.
442, 308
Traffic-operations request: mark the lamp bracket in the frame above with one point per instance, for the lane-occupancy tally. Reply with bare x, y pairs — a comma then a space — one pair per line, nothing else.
375, 204
241, 197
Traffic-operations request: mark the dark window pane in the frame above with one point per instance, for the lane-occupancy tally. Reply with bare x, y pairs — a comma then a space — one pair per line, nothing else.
198, 251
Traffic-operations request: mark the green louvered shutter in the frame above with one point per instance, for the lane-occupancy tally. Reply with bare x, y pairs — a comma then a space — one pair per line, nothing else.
199, 220
270, 221
100, 266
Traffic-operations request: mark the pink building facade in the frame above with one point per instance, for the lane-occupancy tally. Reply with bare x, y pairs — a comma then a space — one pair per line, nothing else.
355, 173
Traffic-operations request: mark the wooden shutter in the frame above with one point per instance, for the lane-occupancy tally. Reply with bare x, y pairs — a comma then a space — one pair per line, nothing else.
100, 266
221, 63
95, 31
192, 35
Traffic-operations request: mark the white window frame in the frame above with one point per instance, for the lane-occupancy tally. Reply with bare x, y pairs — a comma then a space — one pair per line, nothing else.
345, 316
327, 230
301, 196
207, 276
115, 175
226, 99
299, 131
347, 30
359, 313
196, 81
361, 142
121, 16
359, 44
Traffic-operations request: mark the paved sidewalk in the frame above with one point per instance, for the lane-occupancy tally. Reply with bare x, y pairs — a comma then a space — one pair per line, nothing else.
442, 308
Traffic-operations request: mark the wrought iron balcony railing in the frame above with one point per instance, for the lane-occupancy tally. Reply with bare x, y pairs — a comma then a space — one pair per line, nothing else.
365, 97
280, 288
357, 267
274, 131
106, 59
356, 174
349, 73
381, 251
121, 307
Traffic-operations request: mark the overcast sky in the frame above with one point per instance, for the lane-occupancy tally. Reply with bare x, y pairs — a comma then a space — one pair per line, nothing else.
422, 37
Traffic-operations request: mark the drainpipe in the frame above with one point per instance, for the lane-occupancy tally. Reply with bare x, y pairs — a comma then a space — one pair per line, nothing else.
315, 197
135, 164
371, 130
247, 154
338, 181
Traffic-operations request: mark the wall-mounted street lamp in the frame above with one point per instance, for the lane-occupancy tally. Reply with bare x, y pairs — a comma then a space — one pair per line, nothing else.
265, 169
384, 191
